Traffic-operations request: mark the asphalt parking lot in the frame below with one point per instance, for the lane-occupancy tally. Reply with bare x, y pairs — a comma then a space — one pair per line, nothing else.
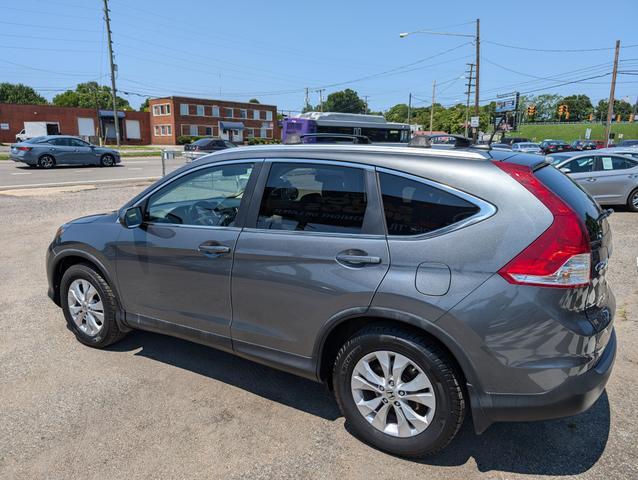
156, 407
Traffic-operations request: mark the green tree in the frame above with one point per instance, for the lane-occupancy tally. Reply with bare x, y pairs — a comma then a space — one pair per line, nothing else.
578, 106
253, 100
20, 94
620, 108
144, 106
90, 95
546, 106
398, 113
345, 101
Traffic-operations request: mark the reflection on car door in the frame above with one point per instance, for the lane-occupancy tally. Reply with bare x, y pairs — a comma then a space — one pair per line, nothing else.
81, 152
313, 247
615, 177
176, 267
61, 149
580, 170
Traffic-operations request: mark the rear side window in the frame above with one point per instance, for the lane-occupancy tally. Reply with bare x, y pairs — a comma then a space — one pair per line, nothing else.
313, 198
615, 163
580, 165
413, 208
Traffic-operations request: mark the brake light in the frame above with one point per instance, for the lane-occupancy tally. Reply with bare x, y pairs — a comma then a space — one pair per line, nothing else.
25, 149
561, 255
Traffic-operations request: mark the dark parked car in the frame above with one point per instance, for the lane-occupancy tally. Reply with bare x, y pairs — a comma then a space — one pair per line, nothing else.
51, 150
204, 146
628, 143
420, 284
511, 140
554, 146
584, 145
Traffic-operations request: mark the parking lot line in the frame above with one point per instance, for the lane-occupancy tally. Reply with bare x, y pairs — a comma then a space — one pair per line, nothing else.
21, 173
53, 184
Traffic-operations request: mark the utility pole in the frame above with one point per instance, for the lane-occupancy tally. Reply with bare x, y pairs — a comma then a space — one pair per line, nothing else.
306, 104
409, 108
612, 91
113, 91
366, 100
321, 99
476, 83
432, 108
467, 102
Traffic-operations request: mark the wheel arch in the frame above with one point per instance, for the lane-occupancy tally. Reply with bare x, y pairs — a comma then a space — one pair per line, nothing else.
341, 327
74, 257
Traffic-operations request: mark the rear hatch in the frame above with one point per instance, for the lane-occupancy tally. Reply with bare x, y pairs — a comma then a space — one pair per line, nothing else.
596, 299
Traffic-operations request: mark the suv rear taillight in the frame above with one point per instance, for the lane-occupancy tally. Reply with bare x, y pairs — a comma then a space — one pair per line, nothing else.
561, 256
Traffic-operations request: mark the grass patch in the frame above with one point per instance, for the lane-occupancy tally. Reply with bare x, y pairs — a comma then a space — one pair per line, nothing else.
4, 156
575, 131
141, 153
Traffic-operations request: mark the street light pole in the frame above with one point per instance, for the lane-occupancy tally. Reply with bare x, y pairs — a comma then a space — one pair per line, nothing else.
432, 108
612, 91
113, 91
476, 81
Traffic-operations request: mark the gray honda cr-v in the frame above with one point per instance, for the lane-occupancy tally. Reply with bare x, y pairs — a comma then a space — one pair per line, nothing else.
417, 283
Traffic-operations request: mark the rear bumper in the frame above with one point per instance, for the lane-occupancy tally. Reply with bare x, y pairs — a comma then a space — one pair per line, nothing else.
575, 395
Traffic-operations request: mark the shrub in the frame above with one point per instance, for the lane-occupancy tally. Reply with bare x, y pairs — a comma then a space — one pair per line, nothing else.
184, 139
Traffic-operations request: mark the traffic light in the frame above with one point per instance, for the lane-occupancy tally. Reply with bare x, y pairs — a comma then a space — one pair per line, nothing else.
531, 110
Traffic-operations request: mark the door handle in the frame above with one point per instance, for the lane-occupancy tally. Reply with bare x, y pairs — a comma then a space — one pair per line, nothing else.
358, 259
213, 249
590, 179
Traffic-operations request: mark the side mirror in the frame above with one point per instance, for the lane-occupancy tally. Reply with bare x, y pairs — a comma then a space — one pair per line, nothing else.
565, 170
132, 217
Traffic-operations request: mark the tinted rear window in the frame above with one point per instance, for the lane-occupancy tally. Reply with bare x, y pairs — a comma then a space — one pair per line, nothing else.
414, 208
202, 142
579, 200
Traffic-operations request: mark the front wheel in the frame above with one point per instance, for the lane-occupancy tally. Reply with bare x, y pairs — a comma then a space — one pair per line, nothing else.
89, 306
632, 201
46, 161
398, 391
107, 160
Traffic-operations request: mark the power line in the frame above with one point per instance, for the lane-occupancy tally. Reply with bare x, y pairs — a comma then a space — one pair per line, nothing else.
556, 50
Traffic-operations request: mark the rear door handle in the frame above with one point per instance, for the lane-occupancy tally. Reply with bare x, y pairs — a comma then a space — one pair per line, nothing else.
590, 179
358, 259
213, 249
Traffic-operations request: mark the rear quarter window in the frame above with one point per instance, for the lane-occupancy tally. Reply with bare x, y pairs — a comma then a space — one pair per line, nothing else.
412, 207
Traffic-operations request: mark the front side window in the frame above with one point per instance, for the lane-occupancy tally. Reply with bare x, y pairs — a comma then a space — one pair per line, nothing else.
76, 142
580, 165
313, 198
209, 197
414, 208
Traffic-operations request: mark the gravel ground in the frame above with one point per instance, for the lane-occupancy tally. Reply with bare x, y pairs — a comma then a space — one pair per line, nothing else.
156, 407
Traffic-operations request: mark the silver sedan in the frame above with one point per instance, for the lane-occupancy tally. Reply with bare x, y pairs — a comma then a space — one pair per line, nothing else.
611, 179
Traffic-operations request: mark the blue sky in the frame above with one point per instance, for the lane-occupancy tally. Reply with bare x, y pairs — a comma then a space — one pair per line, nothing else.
273, 50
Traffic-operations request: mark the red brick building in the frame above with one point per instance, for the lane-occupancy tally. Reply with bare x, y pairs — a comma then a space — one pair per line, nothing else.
87, 123
172, 117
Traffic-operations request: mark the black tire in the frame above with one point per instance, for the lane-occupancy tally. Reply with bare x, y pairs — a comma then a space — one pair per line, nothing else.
46, 161
435, 363
107, 160
632, 201
110, 332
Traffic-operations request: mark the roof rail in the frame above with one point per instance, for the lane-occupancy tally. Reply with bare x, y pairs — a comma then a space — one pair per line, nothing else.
425, 141
297, 139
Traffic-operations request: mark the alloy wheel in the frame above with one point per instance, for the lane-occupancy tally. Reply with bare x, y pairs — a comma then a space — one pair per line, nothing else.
393, 393
47, 161
634, 200
107, 161
85, 307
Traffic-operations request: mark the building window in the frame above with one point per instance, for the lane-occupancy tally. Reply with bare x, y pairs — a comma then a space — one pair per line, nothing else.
208, 131
250, 133
269, 115
183, 109
215, 111
162, 130
200, 110
255, 114
228, 112
243, 113
263, 132
161, 109
193, 130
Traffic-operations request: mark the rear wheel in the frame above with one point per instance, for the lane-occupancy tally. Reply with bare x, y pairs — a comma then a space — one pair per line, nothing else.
46, 161
107, 160
398, 391
632, 201
89, 306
